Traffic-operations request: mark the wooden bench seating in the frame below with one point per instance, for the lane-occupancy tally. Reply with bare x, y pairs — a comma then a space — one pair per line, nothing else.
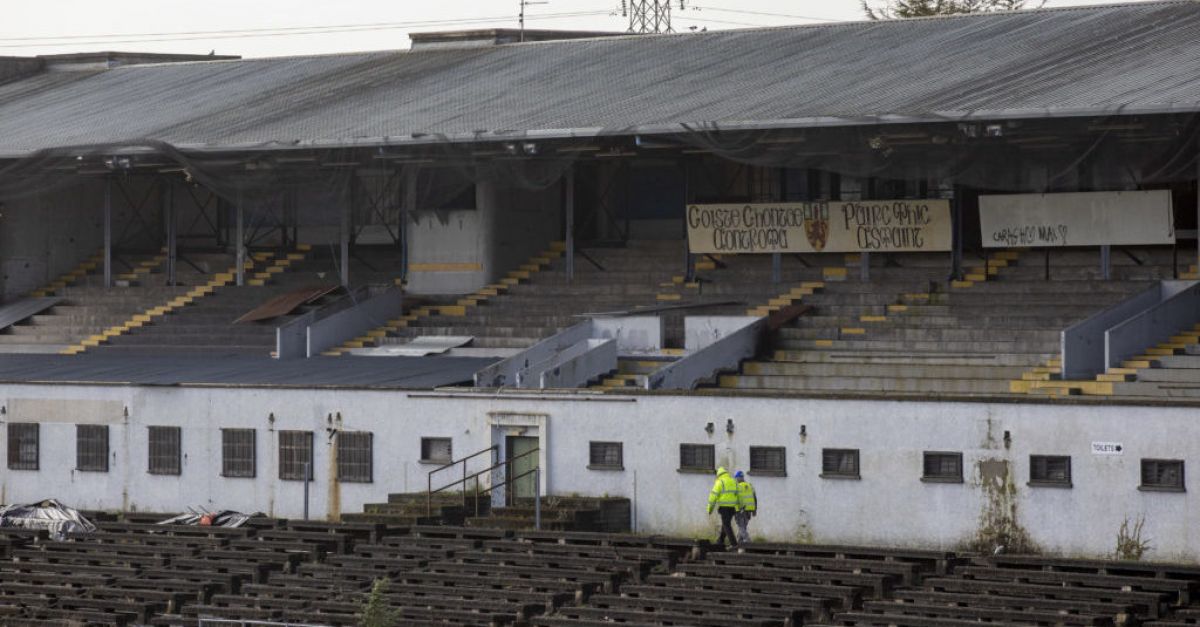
845, 597
875, 584
816, 607
1181, 591
987, 614
933, 561
986, 600
906, 573
611, 616
700, 607
1147, 603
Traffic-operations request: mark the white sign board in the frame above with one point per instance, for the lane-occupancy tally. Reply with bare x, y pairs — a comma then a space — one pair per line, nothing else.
1107, 448
825, 226
1077, 219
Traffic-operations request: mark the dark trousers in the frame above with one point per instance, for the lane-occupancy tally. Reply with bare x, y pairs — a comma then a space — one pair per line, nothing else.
727, 514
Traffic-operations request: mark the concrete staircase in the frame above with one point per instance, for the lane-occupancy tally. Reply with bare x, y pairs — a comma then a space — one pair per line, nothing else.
207, 327
909, 331
567, 513
89, 308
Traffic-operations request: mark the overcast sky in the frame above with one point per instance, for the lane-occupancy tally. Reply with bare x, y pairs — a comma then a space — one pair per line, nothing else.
32, 27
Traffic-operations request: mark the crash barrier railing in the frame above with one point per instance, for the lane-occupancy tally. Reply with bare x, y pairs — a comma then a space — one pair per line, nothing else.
350, 323
509, 480
1157, 324
565, 351
429, 491
1082, 344
1087, 348
291, 339
321, 329
714, 344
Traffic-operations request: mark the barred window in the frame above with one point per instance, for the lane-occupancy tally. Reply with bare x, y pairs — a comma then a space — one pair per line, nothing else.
1050, 470
697, 457
165, 450
1162, 474
91, 448
942, 467
23, 445
841, 463
436, 450
239, 456
355, 456
768, 460
295, 453
606, 456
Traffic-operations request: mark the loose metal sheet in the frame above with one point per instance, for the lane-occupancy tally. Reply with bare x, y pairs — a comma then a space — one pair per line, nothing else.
422, 346
1077, 219
826, 226
25, 308
285, 304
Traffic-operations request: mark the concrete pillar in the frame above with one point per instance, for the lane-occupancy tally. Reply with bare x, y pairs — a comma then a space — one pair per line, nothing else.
570, 222
171, 219
240, 243
108, 274
344, 235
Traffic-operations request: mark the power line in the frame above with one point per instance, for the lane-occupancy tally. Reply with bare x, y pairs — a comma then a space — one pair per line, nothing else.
765, 14
709, 20
78, 40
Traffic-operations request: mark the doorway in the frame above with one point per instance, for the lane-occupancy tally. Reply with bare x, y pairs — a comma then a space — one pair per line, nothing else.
517, 450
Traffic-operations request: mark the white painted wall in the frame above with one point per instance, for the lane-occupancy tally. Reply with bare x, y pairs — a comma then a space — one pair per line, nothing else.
889, 505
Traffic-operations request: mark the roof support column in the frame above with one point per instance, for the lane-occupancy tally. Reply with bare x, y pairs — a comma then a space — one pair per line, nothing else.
108, 231
689, 260
1106, 262
570, 222
344, 236
956, 247
240, 243
170, 217
1198, 205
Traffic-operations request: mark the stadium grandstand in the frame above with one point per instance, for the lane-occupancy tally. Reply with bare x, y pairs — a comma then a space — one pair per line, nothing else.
933, 284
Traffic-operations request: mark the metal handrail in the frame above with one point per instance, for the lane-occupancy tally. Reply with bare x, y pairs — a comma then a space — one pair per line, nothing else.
506, 463
429, 491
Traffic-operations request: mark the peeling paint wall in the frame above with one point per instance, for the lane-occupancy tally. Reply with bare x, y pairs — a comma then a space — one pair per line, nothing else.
888, 505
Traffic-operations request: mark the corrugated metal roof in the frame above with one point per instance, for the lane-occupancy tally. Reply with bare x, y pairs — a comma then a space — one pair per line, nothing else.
1075, 61
350, 372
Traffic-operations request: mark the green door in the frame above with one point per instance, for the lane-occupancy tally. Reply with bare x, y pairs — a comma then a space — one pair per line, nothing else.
521, 487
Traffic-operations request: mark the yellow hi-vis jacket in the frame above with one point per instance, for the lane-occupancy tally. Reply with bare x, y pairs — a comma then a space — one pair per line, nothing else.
724, 492
747, 501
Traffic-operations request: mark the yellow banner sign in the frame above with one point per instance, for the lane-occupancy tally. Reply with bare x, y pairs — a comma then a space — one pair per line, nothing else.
826, 226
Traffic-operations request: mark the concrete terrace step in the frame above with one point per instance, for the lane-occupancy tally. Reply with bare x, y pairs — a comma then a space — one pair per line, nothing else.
912, 357
869, 345
867, 384
903, 370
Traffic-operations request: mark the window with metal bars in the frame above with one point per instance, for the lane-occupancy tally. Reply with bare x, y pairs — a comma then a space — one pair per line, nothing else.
295, 452
942, 467
697, 458
436, 450
770, 461
355, 456
23, 445
238, 453
1165, 475
91, 448
165, 451
839, 463
1050, 470
606, 456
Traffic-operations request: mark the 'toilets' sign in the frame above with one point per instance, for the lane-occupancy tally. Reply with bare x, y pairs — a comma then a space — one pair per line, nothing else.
826, 226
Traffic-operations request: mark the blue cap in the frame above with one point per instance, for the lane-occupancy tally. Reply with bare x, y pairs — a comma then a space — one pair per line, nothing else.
738, 475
